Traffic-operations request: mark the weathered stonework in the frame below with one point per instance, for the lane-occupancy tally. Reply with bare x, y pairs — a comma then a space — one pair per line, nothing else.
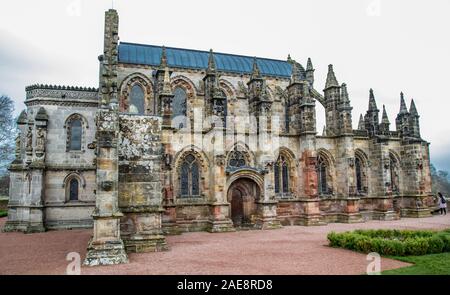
140, 198
165, 148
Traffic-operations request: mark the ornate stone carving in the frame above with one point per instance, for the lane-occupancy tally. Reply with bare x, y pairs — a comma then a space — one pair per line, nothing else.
40, 142
220, 160
18, 150
351, 162
29, 145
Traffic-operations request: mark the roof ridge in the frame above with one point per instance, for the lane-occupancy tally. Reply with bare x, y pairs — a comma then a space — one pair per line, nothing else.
204, 51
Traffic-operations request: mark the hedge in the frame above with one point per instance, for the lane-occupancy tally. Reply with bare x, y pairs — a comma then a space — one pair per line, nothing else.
392, 242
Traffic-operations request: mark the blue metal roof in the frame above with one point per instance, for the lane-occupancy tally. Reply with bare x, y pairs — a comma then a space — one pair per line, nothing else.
195, 59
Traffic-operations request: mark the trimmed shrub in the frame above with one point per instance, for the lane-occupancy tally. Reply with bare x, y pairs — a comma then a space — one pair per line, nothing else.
392, 242
435, 244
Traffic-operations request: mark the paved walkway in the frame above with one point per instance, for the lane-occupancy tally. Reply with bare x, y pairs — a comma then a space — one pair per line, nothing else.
290, 250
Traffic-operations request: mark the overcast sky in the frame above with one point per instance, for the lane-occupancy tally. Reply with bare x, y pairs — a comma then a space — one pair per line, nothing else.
387, 45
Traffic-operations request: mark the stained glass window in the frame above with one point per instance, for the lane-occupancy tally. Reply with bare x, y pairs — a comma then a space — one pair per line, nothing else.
195, 179
185, 179
137, 104
276, 171
75, 135
285, 178
237, 160
73, 190
179, 108
281, 175
190, 177
358, 169
322, 176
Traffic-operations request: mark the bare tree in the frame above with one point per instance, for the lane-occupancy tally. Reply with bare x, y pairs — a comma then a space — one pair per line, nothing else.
7, 132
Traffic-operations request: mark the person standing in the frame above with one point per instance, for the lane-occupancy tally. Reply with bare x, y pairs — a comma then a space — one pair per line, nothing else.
442, 204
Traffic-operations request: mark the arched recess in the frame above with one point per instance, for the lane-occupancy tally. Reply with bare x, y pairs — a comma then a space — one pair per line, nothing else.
285, 173
204, 171
80, 122
249, 174
126, 88
394, 172
73, 184
326, 173
242, 195
361, 172
242, 148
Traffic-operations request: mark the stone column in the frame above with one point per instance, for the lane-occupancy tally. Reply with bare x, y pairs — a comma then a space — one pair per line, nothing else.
18, 187
346, 181
37, 170
310, 202
219, 220
266, 207
380, 192
415, 187
169, 217
106, 246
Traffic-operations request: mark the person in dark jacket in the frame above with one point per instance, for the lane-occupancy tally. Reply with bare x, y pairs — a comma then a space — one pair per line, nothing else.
442, 204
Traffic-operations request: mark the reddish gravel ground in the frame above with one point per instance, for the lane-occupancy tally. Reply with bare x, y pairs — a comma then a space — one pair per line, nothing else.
290, 250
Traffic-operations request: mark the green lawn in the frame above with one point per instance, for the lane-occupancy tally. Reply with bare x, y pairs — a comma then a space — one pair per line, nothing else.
432, 264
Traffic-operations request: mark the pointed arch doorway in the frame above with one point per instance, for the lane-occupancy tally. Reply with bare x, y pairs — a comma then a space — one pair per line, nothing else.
242, 195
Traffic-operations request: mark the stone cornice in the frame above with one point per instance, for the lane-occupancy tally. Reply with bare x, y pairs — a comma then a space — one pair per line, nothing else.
62, 93
61, 102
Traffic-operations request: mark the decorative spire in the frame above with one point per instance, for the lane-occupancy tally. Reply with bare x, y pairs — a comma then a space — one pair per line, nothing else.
331, 78
211, 62
309, 65
403, 109
289, 59
385, 119
344, 93
163, 58
361, 125
256, 73
372, 102
167, 90
413, 109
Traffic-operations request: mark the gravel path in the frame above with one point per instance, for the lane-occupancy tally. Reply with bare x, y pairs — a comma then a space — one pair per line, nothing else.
290, 250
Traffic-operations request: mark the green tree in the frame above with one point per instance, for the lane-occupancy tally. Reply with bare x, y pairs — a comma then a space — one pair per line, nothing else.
440, 181
7, 136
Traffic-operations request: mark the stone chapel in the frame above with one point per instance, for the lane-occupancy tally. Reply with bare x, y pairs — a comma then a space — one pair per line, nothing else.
178, 140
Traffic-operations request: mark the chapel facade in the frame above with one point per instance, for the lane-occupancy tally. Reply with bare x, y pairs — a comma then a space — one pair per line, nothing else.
177, 140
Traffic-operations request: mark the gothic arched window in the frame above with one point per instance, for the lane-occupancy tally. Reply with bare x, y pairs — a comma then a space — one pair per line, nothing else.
137, 100
322, 177
73, 189
179, 108
75, 134
236, 160
358, 168
190, 177
281, 172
